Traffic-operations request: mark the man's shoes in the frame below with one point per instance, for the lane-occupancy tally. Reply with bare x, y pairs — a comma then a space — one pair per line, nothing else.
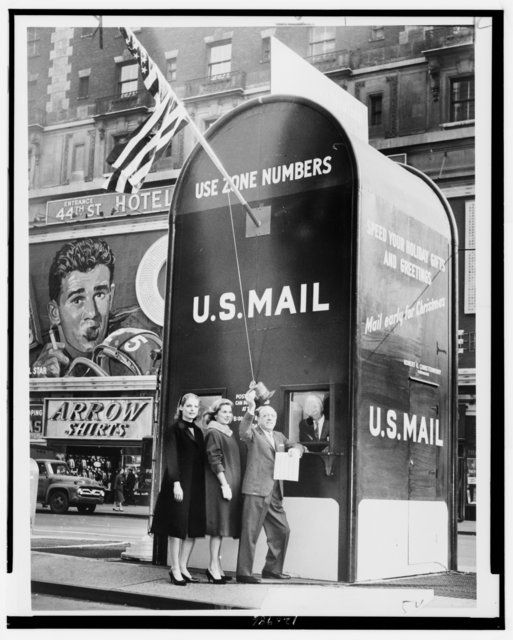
248, 579
275, 576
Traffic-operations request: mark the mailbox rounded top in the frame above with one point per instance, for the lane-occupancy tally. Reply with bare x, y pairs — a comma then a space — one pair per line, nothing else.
279, 145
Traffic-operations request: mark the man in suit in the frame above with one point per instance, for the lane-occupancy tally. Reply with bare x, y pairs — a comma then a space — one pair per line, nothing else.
263, 495
314, 430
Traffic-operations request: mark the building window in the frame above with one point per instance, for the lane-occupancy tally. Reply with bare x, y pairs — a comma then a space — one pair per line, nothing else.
128, 74
308, 418
375, 109
466, 341
78, 157
83, 86
322, 40
168, 151
219, 59
118, 142
462, 99
470, 258
32, 42
171, 69
266, 50
377, 33
116, 147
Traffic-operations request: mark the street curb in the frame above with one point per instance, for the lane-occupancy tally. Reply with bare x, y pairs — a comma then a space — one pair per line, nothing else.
123, 514
117, 596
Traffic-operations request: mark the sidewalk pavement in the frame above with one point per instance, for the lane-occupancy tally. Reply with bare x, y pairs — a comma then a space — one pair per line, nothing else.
135, 511
141, 584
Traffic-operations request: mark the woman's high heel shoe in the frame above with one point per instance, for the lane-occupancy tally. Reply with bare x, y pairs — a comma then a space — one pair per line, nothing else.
191, 579
214, 580
179, 583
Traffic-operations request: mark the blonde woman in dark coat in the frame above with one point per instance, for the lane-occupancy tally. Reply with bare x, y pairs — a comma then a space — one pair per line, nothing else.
180, 507
223, 482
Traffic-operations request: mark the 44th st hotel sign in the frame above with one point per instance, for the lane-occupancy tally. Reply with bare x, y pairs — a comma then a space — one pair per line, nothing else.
108, 205
98, 418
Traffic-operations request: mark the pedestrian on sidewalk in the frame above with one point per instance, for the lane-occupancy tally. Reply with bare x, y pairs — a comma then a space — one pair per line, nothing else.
180, 507
263, 496
119, 498
223, 481
129, 487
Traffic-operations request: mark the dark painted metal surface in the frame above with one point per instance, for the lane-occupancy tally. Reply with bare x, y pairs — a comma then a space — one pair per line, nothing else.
312, 283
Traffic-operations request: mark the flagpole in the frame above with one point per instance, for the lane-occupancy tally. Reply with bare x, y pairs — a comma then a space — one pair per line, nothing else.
149, 67
212, 155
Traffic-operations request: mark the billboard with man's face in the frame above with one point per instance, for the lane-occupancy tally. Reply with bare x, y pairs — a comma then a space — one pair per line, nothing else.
99, 299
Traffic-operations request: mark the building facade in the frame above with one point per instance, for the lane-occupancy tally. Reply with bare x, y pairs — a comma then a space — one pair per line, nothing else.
86, 96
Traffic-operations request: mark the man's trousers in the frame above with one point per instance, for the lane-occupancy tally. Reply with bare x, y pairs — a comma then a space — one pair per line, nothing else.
266, 512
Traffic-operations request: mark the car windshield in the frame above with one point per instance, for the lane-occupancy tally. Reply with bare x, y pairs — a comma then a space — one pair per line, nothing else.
59, 468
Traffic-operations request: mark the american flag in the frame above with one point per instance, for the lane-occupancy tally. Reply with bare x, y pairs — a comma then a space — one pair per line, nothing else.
132, 161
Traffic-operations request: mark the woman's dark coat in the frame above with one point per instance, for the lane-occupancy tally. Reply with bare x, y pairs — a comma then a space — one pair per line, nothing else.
223, 516
119, 482
184, 460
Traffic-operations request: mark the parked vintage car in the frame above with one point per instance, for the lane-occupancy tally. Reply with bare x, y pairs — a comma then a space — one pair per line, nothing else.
59, 490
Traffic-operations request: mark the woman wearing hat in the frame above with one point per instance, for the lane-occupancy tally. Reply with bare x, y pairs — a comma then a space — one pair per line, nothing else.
223, 483
180, 507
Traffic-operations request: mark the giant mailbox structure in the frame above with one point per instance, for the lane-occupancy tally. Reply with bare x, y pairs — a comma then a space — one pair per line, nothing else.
347, 291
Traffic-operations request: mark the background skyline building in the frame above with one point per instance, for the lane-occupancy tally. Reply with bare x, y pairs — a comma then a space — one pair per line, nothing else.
416, 81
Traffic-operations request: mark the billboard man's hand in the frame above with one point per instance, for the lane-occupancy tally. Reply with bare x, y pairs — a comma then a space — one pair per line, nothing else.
51, 361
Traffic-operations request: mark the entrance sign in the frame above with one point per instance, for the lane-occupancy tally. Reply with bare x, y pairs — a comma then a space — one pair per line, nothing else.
98, 418
108, 205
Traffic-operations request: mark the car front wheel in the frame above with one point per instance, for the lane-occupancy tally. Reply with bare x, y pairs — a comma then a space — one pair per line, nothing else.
86, 508
58, 502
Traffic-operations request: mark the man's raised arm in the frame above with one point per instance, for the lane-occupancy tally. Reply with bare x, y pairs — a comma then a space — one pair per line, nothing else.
245, 430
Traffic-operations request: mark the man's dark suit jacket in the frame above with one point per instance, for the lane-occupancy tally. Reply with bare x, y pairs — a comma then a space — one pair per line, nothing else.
308, 436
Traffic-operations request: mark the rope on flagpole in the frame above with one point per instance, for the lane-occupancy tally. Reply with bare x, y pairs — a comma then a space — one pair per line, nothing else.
240, 288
